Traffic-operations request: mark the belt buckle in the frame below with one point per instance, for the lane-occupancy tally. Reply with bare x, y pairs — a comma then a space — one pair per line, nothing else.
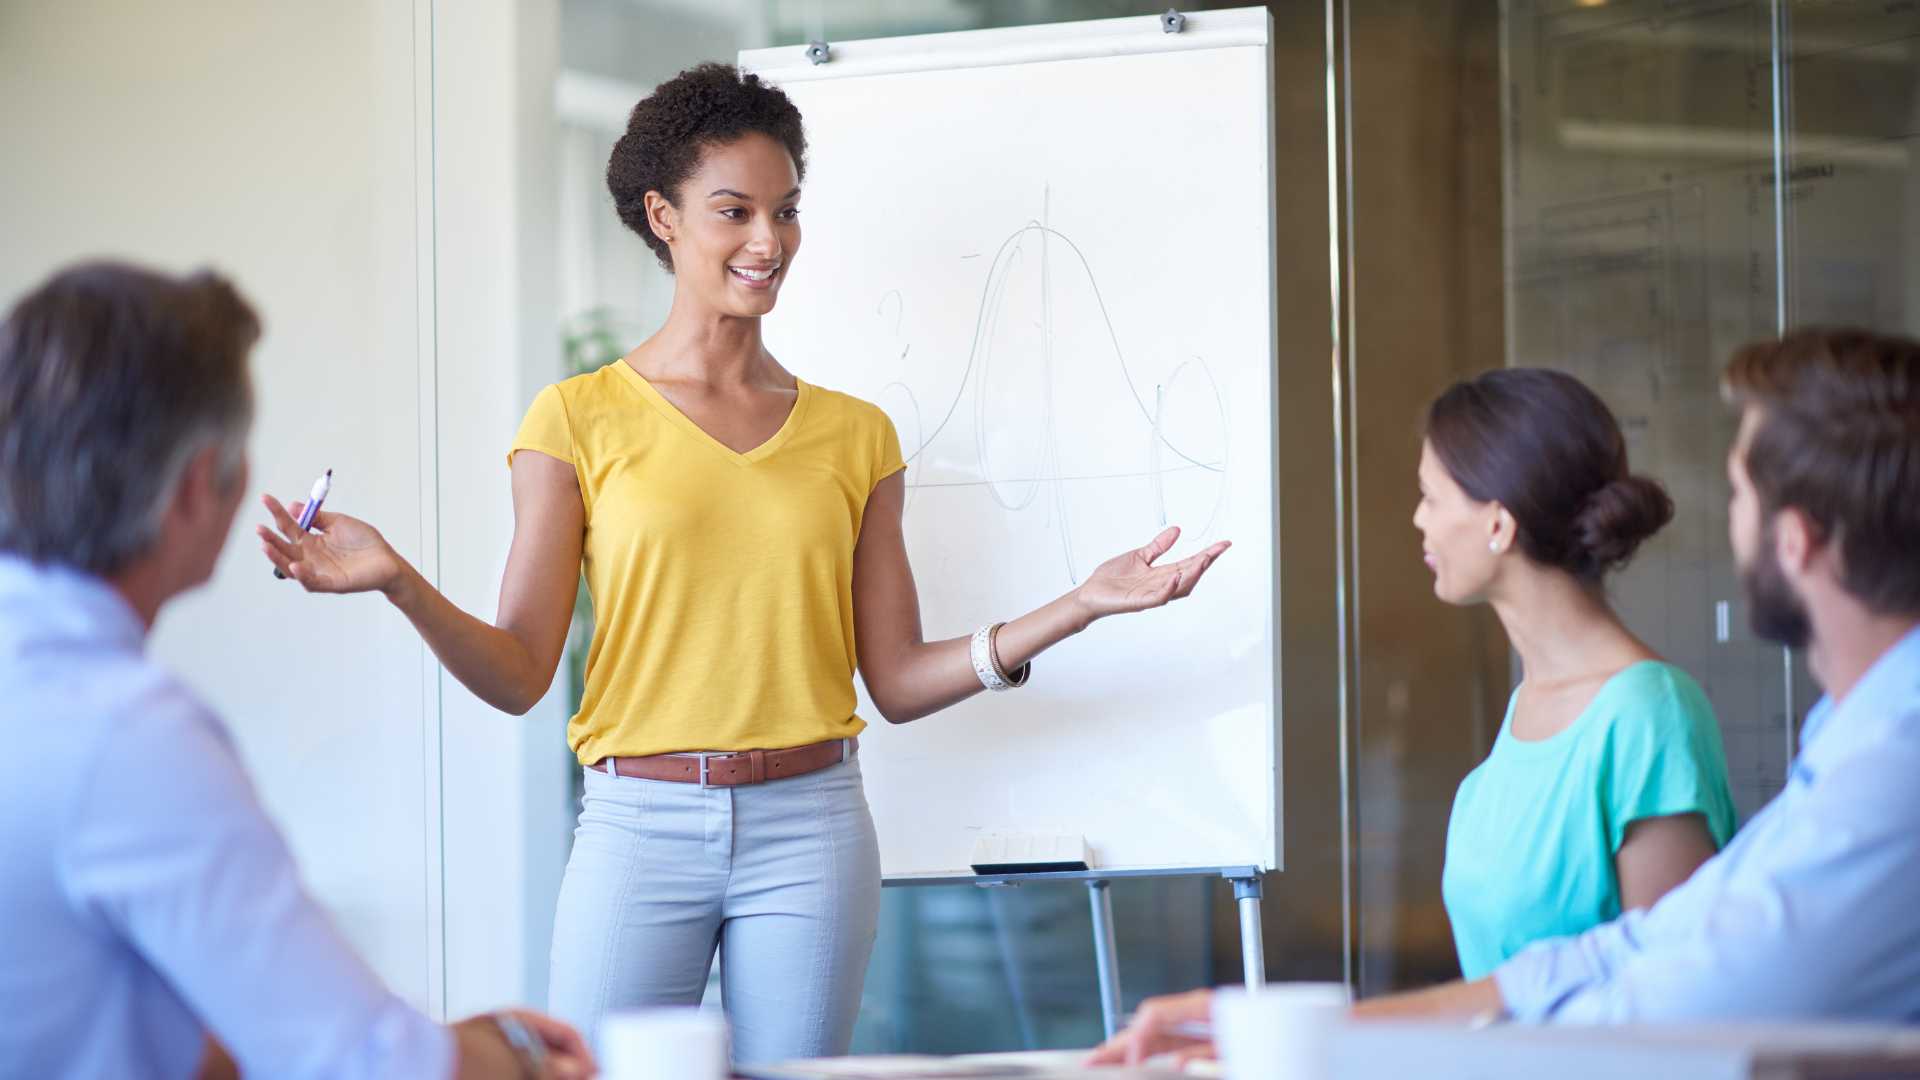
703, 770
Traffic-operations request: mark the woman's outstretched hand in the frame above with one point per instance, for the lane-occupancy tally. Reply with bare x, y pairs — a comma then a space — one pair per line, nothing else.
339, 554
1130, 582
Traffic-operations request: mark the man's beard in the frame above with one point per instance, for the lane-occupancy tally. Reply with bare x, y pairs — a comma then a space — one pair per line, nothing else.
1774, 611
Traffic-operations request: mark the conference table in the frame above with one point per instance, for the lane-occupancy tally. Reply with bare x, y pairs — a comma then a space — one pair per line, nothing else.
1375, 1050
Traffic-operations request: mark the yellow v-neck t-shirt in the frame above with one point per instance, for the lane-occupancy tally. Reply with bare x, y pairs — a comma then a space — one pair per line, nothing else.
722, 582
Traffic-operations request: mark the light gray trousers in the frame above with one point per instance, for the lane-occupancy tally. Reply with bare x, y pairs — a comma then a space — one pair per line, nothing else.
782, 877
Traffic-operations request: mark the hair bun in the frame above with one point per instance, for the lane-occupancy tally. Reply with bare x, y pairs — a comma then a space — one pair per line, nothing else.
1617, 518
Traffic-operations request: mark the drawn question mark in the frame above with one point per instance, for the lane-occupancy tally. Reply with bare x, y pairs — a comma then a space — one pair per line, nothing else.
899, 312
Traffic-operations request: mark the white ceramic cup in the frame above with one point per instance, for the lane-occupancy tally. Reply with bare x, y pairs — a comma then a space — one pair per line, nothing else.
1280, 1031
663, 1044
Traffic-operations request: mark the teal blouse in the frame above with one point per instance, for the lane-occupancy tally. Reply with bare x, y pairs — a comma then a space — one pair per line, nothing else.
1535, 827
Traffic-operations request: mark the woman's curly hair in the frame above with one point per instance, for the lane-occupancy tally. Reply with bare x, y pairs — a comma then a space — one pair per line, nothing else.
667, 132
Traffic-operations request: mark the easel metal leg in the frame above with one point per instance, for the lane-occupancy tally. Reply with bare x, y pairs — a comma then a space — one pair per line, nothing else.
1106, 954
1253, 952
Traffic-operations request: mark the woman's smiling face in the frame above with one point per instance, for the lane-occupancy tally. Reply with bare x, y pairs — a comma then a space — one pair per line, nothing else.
736, 226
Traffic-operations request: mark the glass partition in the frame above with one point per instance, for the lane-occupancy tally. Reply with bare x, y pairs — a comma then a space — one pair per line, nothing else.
1642, 233
1625, 190
1851, 69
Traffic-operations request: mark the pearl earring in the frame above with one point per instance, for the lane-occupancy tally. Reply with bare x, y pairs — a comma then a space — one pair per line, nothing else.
1493, 546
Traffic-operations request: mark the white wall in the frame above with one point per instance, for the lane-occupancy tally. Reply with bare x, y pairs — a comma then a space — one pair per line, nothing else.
276, 143
506, 779
375, 176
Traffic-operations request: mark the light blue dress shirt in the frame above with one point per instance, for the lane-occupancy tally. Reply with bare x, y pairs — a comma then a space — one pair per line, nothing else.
145, 897
1812, 913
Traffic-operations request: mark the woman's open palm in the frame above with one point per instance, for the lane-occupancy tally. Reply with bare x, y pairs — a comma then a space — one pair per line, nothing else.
339, 554
1131, 581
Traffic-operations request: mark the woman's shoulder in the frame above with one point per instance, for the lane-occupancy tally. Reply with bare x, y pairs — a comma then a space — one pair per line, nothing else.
581, 394
1654, 697
844, 404
1655, 677
859, 418
601, 382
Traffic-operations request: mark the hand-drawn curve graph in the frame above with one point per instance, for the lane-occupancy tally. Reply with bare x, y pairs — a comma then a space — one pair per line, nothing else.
1040, 313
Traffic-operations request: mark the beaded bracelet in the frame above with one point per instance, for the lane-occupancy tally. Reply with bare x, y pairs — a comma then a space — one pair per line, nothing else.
986, 661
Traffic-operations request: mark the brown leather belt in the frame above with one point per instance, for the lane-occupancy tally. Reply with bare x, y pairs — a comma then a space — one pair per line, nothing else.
733, 770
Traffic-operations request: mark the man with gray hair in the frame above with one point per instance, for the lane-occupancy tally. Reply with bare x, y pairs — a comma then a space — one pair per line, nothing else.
151, 919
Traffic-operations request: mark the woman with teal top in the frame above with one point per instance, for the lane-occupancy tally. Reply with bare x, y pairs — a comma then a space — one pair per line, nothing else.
1607, 784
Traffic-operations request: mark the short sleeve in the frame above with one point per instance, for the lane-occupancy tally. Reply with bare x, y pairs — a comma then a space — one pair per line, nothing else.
547, 428
887, 458
1665, 758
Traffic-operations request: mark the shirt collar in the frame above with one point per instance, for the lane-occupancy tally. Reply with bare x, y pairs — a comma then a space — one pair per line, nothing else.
43, 602
1888, 691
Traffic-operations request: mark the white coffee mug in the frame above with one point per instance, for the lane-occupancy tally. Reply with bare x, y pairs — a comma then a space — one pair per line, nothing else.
1280, 1031
663, 1044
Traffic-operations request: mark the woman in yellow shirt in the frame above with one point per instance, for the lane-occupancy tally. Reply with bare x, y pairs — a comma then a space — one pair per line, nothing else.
739, 530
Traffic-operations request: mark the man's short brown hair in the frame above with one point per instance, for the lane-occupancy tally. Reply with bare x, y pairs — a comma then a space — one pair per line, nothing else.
1838, 438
